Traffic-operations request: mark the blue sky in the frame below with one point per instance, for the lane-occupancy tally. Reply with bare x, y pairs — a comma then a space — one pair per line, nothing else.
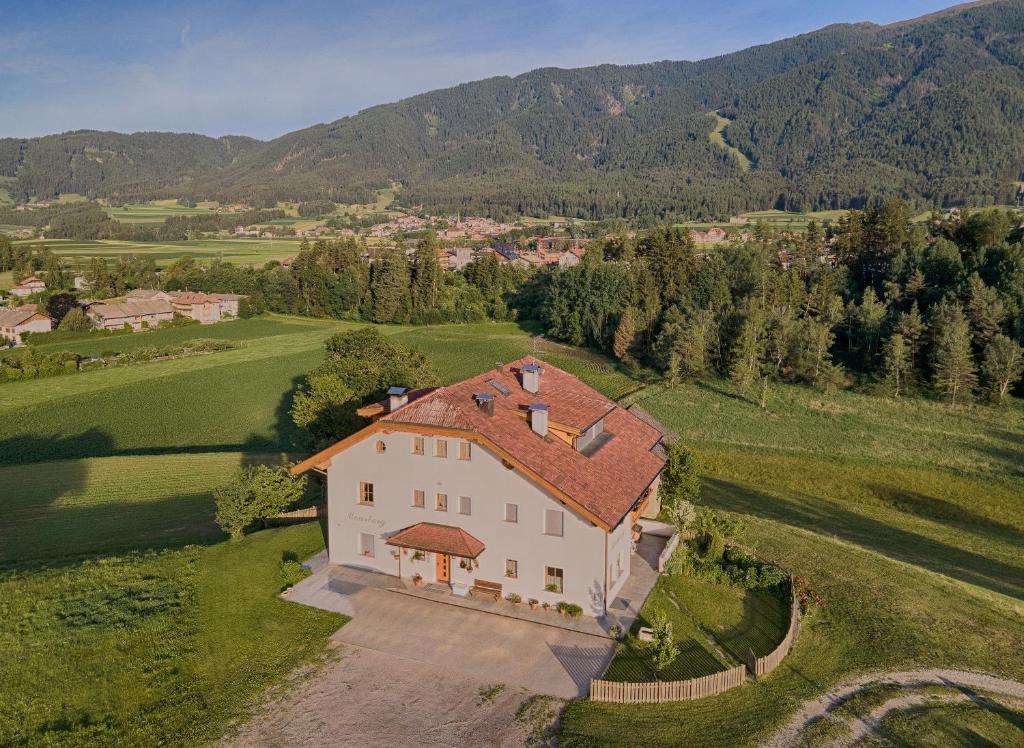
265, 68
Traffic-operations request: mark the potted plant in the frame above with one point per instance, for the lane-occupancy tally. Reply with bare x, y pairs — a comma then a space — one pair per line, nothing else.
534, 604
546, 605
514, 598
418, 556
572, 610
417, 580
551, 587
563, 609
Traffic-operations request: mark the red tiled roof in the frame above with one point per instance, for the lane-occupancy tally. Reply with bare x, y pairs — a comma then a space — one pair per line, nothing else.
193, 297
427, 536
606, 482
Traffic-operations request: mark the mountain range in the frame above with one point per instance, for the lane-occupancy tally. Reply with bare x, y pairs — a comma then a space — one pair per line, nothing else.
931, 110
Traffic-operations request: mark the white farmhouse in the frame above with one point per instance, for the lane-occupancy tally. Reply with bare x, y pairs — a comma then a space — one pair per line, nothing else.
522, 480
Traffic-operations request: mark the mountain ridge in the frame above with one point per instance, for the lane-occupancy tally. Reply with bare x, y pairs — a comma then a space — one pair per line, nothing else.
925, 109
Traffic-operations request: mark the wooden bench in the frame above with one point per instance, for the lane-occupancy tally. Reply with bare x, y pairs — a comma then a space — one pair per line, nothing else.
483, 587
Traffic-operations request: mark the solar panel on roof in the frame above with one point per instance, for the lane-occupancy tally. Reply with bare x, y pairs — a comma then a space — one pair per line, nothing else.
499, 387
531, 367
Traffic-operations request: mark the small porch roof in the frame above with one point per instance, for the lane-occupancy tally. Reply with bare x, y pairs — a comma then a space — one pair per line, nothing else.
428, 536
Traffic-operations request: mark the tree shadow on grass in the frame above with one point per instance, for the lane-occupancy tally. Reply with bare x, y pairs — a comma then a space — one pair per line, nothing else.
761, 627
825, 516
946, 512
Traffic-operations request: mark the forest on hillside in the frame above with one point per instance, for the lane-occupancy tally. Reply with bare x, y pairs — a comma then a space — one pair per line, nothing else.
927, 111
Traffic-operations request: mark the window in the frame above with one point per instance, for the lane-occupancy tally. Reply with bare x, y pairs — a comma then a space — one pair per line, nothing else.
511, 512
442, 502
553, 521
464, 450
511, 568
381, 446
366, 544
464, 505
418, 499
365, 493
554, 579
417, 445
440, 448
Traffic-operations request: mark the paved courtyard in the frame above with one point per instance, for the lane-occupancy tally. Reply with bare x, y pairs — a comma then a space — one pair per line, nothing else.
542, 658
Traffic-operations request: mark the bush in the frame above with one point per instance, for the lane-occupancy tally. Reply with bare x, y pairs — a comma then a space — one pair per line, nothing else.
75, 321
680, 481
714, 546
292, 572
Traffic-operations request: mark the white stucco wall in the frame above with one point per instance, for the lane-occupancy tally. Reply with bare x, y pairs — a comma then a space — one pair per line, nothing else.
396, 473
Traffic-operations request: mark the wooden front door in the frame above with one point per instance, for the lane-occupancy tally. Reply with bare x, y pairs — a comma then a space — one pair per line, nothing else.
443, 562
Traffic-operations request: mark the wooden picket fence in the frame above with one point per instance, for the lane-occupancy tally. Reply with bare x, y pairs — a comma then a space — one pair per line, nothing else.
759, 666
295, 516
657, 692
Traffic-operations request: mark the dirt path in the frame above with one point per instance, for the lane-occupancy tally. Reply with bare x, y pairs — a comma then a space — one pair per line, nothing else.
366, 698
811, 710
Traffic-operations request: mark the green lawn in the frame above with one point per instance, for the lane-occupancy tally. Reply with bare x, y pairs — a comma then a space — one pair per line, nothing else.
159, 648
715, 625
906, 517
157, 211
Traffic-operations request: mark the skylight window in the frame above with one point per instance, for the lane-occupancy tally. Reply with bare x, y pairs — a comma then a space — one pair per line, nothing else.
499, 387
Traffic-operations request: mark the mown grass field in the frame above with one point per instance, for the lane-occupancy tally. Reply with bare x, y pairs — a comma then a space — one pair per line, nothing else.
241, 251
906, 516
158, 211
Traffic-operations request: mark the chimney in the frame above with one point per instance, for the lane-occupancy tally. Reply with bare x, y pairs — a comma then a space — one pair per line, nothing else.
485, 401
538, 415
397, 397
499, 366
531, 378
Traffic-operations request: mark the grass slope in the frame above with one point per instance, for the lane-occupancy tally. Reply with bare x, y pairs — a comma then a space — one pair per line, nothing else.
717, 137
907, 517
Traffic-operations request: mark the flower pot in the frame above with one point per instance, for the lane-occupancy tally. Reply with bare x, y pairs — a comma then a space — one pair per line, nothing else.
563, 614
534, 606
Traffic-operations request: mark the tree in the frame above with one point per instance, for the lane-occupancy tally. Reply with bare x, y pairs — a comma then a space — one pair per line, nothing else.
662, 642
896, 362
953, 371
680, 481
59, 304
748, 349
625, 336
984, 311
360, 366
76, 321
1002, 366
256, 493
426, 275
912, 329
389, 287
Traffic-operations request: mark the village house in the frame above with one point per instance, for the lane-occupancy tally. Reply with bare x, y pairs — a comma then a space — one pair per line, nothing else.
520, 480
230, 303
27, 287
196, 305
19, 320
136, 314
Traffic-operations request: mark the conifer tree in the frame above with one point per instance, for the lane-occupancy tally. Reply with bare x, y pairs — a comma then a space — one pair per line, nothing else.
896, 362
1002, 366
953, 370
